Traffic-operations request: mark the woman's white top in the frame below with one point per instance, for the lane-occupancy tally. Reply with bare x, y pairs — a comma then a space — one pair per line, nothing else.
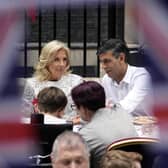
66, 83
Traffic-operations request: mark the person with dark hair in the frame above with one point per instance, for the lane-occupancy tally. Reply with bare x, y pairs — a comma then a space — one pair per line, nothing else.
70, 151
52, 102
121, 159
105, 125
127, 85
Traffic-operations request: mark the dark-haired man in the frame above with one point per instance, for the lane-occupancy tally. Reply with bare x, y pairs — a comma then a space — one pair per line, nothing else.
124, 84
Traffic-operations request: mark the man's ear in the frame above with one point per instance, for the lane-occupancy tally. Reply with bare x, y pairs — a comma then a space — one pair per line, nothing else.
122, 57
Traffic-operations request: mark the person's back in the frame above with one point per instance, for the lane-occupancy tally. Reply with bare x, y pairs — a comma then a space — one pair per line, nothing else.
107, 125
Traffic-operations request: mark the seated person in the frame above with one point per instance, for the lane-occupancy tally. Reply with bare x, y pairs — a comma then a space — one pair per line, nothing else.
121, 159
53, 69
105, 125
124, 84
52, 102
70, 151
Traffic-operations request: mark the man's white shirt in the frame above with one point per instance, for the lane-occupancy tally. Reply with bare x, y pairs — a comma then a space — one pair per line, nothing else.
133, 93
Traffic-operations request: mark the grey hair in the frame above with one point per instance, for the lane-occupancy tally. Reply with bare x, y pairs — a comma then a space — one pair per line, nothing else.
70, 139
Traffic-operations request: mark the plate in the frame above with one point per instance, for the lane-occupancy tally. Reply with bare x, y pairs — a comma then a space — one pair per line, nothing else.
141, 120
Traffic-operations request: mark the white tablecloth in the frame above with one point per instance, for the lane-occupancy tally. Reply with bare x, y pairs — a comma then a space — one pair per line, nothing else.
150, 131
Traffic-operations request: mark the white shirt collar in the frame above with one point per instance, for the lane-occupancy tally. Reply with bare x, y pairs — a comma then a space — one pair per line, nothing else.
127, 77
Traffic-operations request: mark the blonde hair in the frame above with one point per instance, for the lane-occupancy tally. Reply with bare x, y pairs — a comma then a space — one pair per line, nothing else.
120, 159
41, 71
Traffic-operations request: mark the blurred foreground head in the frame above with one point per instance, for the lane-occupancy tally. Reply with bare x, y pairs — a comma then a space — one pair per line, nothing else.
121, 159
70, 151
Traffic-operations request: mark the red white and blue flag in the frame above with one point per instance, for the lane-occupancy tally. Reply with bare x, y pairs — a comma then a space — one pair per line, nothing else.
15, 139
151, 20
150, 17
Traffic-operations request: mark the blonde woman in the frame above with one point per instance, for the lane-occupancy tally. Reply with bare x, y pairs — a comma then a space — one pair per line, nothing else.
53, 70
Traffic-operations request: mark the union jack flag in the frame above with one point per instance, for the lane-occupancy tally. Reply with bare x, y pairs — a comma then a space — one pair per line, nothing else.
150, 17
14, 137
